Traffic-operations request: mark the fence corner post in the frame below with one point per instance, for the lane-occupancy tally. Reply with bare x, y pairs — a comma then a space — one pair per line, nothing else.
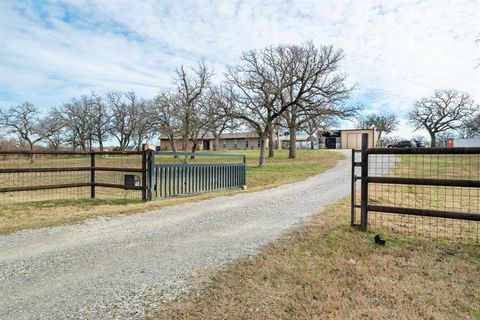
364, 183
92, 175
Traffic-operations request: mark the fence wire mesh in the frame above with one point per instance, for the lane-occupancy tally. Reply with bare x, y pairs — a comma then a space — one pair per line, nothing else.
446, 167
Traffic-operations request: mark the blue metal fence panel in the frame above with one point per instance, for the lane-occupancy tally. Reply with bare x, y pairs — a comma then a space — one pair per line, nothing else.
178, 179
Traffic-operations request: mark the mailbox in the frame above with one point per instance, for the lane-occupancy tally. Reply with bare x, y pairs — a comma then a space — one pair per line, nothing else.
131, 180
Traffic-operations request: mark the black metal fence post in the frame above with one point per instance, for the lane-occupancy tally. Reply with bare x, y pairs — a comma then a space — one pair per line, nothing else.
144, 173
151, 172
92, 175
364, 183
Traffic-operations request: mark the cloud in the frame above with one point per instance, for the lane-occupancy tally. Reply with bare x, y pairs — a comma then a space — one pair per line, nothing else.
396, 51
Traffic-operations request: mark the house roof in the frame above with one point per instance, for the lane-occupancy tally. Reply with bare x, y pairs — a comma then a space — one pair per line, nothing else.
234, 135
227, 135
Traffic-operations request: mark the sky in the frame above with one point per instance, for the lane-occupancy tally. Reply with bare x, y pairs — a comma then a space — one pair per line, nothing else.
395, 51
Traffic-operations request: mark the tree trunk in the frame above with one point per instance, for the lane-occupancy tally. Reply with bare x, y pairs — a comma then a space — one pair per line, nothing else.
100, 142
433, 139
185, 143
139, 143
378, 139
261, 160
312, 144
216, 139
271, 143
173, 145
292, 148
194, 148
32, 156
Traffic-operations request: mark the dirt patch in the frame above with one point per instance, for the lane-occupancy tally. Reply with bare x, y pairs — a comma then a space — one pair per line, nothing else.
327, 270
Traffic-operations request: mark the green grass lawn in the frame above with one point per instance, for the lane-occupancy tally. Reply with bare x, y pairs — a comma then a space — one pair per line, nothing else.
17, 216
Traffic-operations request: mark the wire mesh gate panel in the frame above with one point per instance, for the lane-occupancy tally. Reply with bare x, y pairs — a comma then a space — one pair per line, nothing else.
177, 179
27, 176
432, 192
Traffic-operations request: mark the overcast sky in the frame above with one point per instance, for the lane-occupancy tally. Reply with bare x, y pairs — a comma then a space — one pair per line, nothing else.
395, 51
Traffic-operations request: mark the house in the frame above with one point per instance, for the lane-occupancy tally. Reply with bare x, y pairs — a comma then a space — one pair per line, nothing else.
227, 141
347, 138
333, 139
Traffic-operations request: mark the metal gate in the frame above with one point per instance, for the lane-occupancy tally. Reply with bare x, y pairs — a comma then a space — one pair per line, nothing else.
184, 178
420, 182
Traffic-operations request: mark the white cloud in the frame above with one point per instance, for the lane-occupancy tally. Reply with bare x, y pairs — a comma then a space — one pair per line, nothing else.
396, 51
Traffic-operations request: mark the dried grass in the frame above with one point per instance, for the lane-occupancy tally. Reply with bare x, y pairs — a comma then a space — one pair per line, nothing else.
327, 270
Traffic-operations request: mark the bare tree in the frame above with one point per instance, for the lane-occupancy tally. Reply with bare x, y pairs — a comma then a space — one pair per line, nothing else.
381, 122
143, 128
317, 89
221, 104
256, 85
166, 119
123, 121
472, 127
53, 130
446, 110
24, 121
77, 117
191, 86
101, 118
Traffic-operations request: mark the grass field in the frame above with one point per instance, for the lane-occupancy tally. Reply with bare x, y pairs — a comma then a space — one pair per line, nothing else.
23, 214
328, 270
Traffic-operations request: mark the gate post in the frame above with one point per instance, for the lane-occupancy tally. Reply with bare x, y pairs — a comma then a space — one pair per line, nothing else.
144, 173
148, 161
364, 183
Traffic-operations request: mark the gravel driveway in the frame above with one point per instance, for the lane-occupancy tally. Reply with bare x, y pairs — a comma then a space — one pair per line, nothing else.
125, 267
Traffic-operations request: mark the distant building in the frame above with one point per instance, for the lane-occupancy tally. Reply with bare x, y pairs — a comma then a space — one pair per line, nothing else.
227, 141
334, 139
347, 138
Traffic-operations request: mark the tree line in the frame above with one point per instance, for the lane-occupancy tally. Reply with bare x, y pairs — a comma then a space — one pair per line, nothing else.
296, 87
447, 113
